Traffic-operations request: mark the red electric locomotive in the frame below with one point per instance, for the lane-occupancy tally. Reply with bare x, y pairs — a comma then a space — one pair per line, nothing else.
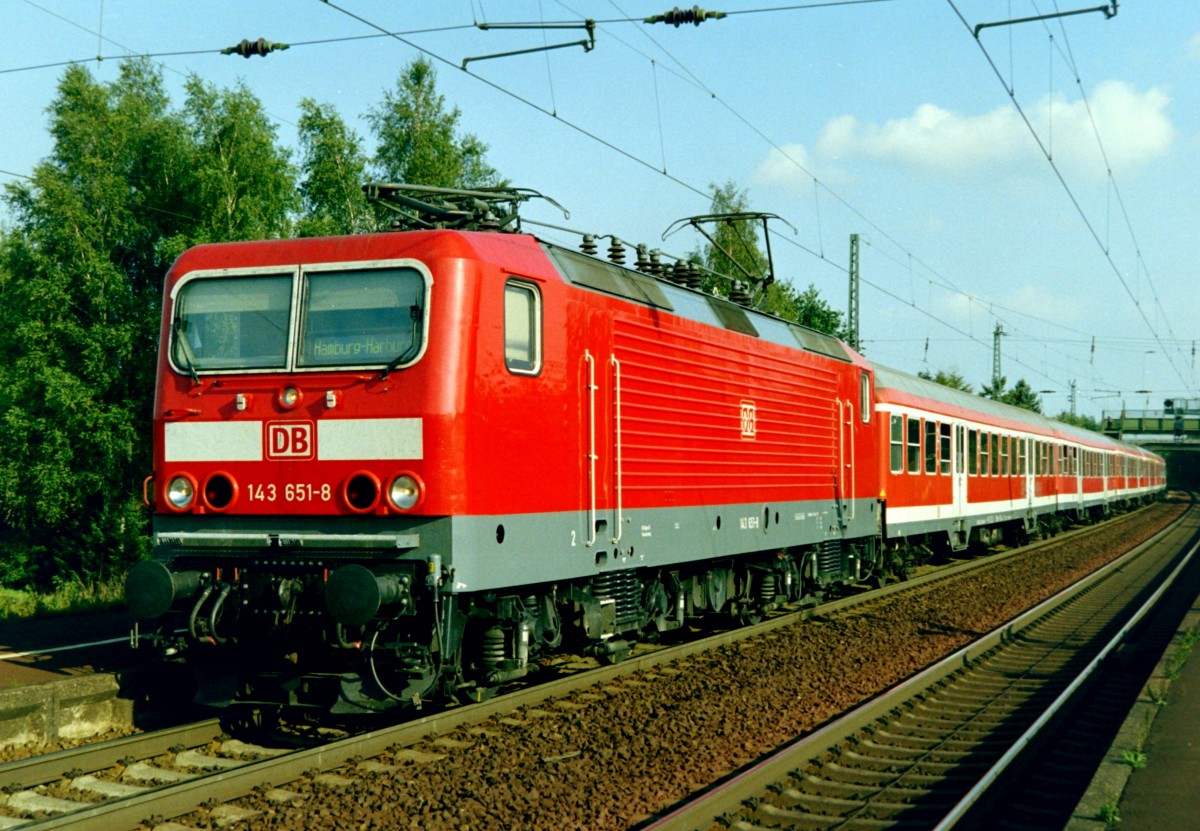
397, 467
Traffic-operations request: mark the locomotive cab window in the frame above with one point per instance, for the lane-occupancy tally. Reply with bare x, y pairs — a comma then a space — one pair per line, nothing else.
522, 328
232, 323
362, 318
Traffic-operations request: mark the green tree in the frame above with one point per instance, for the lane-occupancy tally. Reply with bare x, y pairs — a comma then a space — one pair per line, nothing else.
333, 170
806, 307
995, 389
736, 253
1022, 395
243, 186
79, 278
128, 184
952, 379
418, 139
1086, 422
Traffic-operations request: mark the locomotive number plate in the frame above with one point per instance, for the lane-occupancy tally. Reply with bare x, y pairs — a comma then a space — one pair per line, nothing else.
291, 492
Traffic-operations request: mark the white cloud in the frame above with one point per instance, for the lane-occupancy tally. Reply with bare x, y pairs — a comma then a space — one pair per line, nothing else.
1134, 127
784, 167
932, 137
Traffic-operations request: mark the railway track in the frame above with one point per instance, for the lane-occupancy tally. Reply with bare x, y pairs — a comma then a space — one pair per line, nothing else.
926, 753
120, 785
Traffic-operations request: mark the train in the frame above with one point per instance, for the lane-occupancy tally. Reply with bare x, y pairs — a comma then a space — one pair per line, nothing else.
402, 467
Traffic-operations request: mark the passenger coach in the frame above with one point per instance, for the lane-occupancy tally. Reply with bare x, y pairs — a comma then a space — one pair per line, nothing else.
962, 469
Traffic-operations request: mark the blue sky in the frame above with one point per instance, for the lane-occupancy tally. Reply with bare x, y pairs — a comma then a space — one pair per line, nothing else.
884, 119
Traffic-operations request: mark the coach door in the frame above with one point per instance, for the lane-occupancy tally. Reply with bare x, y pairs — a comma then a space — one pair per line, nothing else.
1029, 471
959, 473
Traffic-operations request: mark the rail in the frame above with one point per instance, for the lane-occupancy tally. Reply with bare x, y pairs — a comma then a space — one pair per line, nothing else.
790, 784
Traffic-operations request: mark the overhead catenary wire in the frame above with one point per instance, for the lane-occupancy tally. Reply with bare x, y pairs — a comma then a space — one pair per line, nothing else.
1074, 200
818, 185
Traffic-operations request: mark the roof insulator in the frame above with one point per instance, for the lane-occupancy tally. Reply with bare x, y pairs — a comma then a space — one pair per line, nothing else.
616, 251
656, 263
643, 258
588, 245
677, 16
262, 46
679, 273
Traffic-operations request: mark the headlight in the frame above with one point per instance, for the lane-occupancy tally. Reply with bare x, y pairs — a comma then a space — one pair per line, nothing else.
404, 492
289, 397
181, 492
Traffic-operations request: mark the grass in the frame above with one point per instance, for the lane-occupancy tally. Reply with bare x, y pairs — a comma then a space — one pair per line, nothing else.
1179, 657
1110, 813
1136, 759
69, 598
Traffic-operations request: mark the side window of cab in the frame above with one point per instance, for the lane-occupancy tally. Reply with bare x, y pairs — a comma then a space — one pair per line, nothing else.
522, 328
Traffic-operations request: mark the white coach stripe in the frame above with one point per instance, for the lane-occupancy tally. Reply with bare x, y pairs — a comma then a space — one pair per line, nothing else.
369, 438
213, 441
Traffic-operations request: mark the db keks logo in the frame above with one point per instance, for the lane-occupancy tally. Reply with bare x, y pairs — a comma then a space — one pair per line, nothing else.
293, 440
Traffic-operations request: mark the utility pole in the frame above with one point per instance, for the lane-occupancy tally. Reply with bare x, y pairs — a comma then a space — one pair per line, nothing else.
996, 335
852, 313
1072, 398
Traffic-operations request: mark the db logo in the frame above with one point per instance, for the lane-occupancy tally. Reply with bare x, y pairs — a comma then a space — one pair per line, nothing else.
749, 420
290, 440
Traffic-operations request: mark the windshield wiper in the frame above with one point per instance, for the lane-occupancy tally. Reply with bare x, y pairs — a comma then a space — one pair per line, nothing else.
414, 313
188, 358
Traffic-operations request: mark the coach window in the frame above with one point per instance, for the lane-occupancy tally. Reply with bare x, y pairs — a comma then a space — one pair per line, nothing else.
897, 444
983, 454
944, 442
995, 442
973, 451
931, 447
522, 328
1005, 468
1021, 447
914, 445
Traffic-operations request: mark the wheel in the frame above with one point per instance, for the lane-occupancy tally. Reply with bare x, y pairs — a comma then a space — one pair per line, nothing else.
750, 616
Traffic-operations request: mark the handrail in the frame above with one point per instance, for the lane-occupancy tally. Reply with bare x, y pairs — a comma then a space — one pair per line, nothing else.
850, 464
591, 386
617, 427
